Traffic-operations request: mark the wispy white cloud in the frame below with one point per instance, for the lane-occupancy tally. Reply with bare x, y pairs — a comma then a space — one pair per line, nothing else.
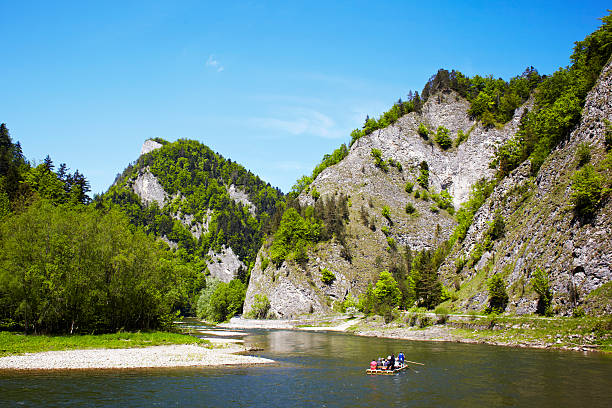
298, 121
289, 165
212, 62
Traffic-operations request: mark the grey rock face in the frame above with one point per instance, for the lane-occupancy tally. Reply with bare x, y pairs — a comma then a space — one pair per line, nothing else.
148, 188
294, 289
148, 146
224, 265
241, 197
541, 229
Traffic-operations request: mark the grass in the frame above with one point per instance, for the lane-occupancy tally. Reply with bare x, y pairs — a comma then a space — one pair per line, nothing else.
14, 343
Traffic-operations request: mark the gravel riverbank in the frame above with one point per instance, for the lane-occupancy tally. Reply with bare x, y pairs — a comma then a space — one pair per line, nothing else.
182, 355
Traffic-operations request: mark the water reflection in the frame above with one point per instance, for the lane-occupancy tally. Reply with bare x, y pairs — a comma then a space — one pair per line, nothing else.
327, 369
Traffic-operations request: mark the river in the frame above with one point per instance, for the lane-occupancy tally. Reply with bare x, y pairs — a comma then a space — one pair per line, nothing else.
328, 370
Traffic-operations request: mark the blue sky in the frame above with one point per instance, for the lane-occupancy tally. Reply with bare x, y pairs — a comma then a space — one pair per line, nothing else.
272, 85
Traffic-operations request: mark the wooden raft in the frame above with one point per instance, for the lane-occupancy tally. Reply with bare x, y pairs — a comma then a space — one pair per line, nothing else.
386, 372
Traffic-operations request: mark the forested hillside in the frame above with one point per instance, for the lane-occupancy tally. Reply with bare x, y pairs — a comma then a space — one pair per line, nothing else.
197, 212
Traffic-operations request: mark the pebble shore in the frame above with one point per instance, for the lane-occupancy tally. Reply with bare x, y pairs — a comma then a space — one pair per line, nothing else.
183, 355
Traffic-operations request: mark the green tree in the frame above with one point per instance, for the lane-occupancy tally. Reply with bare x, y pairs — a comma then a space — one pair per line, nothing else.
586, 190
386, 290
498, 297
443, 138
541, 285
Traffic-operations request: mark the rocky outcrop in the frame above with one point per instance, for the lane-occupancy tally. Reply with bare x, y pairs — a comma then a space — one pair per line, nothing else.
224, 265
241, 197
148, 188
297, 288
149, 145
541, 229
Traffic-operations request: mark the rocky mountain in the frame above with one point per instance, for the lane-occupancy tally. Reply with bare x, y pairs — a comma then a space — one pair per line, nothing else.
403, 189
541, 228
211, 210
294, 288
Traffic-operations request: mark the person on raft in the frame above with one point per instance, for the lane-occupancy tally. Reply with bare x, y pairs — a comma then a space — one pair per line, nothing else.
392, 362
400, 358
373, 364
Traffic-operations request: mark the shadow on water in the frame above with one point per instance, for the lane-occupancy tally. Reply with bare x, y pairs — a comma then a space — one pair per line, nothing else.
328, 369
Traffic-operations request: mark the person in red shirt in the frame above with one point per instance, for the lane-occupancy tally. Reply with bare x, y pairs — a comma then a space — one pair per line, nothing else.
373, 364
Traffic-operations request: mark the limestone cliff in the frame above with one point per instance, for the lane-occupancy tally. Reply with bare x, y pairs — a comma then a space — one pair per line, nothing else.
294, 289
541, 229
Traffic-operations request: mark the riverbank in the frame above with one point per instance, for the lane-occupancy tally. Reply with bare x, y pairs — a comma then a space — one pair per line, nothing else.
562, 333
118, 351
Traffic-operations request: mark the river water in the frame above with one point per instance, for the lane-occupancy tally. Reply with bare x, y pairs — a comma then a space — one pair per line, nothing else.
328, 370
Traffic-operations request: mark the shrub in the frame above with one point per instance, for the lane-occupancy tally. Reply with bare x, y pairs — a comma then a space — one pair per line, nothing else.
541, 285
327, 277
378, 160
264, 263
423, 179
424, 322
425, 195
498, 298
391, 243
461, 137
497, 227
315, 193
417, 194
261, 307
608, 136
586, 190
434, 209
386, 212
409, 187
442, 314
386, 290
578, 312
410, 208
423, 131
583, 154
442, 138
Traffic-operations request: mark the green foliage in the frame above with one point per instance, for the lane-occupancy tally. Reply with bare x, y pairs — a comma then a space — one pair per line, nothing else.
423, 131
461, 137
558, 104
541, 285
327, 276
198, 179
386, 212
423, 179
386, 290
586, 190
583, 154
444, 201
399, 109
12, 343
409, 187
443, 138
480, 191
264, 263
498, 297
417, 194
608, 134
82, 270
315, 194
442, 314
497, 227
219, 300
378, 161
391, 243
410, 209
260, 308
385, 230
327, 161
292, 236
